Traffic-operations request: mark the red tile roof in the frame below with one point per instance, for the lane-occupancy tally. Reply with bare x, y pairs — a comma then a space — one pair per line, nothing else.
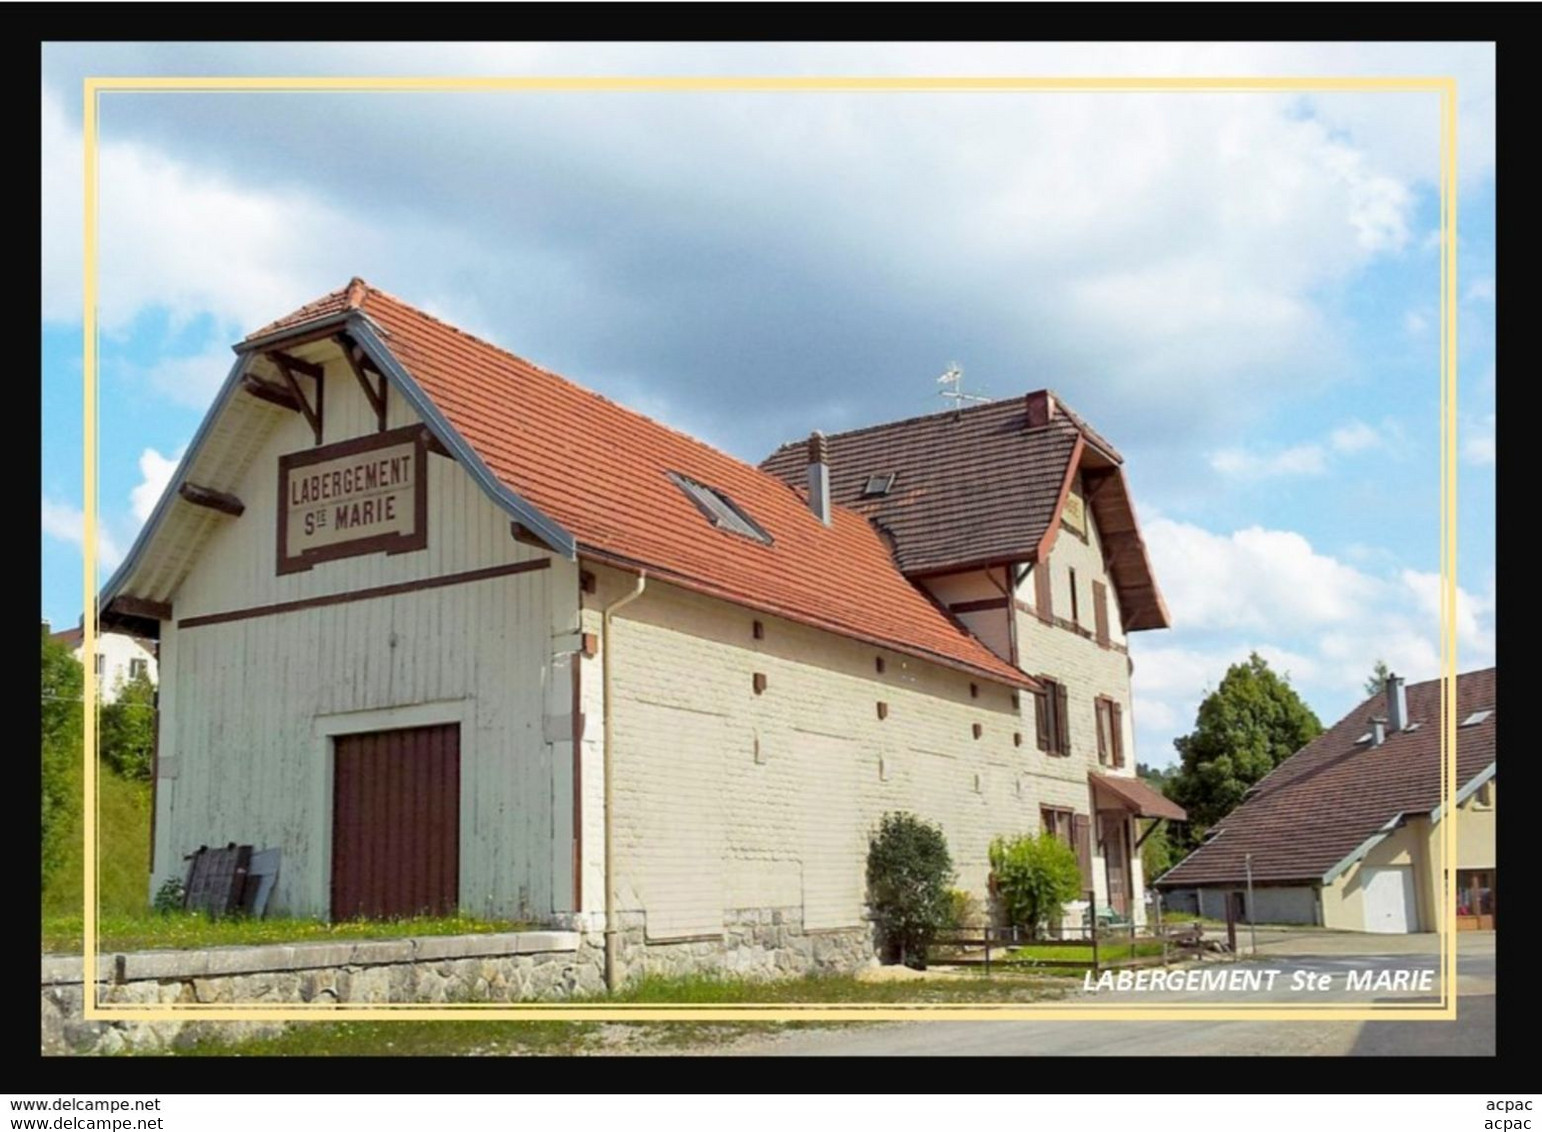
1139, 798
601, 471
1327, 799
70, 638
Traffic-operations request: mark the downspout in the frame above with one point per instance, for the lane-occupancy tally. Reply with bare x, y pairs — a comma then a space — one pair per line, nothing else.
611, 980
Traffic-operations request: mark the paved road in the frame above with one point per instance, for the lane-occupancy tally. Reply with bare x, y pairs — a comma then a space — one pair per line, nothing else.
1471, 1034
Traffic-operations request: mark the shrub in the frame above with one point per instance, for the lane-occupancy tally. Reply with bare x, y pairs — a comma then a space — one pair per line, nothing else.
909, 870
1033, 877
128, 730
171, 896
964, 910
62, 724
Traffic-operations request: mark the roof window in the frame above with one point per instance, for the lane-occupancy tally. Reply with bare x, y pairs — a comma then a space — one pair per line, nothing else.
878, 486
721, 511
1476, 718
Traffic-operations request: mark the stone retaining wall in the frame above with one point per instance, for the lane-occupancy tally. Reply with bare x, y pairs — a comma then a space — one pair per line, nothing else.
497, 968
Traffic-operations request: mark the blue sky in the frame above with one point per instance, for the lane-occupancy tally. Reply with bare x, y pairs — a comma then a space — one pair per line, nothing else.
1241, 291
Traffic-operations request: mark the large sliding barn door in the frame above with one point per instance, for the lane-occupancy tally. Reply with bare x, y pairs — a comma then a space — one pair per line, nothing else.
396, 823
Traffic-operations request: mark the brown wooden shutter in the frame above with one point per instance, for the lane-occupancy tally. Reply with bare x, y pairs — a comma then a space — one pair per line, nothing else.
1062, 721
1043, 599
1116, 731
1041, 719
1102, 718
1100, 611
1081, 838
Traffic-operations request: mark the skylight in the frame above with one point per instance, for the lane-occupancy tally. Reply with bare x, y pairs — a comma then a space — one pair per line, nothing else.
1476, 718
722, 512
878, 486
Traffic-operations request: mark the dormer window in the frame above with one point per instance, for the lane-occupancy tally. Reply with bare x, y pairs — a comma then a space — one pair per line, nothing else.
878, 486
721, 511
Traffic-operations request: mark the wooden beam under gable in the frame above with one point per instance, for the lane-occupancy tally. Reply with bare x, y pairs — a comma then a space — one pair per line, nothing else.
130, 606
273, 394
215, 500
289, 366
375, 392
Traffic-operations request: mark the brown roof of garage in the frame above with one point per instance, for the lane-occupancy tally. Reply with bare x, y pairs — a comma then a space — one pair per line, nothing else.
1326, 800
984, 486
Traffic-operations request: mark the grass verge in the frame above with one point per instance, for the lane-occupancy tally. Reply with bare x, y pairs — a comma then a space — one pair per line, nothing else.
487, 1038
148, 930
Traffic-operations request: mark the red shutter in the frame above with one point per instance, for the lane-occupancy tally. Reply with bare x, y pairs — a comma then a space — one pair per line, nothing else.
1043, 600
1062, 721
1100, 611
1083, 844
1116, 731
1041, 719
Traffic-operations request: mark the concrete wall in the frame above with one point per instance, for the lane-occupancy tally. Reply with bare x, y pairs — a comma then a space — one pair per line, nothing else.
1476, 833
249, 707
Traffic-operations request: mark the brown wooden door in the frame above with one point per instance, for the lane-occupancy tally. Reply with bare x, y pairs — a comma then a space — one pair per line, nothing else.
396, 823
1116, 861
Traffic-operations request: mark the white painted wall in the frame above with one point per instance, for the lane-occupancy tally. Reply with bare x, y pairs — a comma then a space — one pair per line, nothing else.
248, 706
119, 654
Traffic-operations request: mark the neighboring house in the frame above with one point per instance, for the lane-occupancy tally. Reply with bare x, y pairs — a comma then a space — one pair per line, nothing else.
452, 632
119, 658
1348, 832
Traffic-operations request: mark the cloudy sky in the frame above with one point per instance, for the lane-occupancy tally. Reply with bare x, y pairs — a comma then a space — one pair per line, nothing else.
1239, 290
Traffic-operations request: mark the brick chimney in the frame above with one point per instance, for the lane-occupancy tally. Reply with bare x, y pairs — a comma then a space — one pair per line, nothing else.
1041, 408
819, 476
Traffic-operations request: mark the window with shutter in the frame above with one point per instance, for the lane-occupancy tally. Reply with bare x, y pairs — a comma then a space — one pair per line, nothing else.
1043, 602
1105, 742
1100, 612
1116, 731
1062, 721
1082, 843
1041, 715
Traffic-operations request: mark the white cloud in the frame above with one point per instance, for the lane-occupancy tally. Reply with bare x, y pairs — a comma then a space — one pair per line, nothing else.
1323, 621
1298, 460
1356, 436
191, 380
64, 522
155, 473
1415, 323
1479, 444
1481, 290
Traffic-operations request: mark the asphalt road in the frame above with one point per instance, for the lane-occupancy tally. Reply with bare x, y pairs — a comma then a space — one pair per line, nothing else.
1471, 1034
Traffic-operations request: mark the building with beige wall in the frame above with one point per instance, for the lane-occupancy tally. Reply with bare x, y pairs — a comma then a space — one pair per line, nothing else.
453, 633
1350, 831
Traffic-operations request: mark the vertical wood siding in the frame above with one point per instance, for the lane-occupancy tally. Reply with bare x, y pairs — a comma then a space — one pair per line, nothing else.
248, 705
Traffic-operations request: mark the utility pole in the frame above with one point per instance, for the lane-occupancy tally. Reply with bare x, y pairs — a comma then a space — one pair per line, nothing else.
1247, 861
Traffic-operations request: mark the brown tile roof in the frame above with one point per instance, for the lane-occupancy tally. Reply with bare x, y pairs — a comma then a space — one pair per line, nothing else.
70, 638
1140, 799
1320, 804
601, 471
981, 486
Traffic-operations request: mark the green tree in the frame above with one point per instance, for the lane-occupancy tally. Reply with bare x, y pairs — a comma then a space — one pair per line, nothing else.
127, 728
1377, 680
1033, 877
909, 871
1244, 729
62, 718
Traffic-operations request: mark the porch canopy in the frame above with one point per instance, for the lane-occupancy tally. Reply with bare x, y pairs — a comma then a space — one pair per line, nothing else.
1135, 796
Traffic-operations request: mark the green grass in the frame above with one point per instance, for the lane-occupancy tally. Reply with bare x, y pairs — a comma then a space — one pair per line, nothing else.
482, 1038
150, 930
125, 921
125, 855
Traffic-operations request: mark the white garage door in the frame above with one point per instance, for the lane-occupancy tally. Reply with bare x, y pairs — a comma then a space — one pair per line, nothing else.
1390, 904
